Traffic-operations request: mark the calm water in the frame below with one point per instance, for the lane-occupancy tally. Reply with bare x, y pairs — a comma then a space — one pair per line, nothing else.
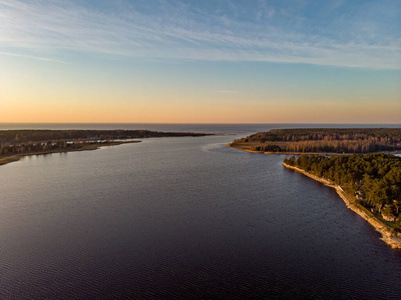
183, 218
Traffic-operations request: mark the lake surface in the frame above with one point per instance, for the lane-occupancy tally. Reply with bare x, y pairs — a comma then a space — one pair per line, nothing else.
182, 218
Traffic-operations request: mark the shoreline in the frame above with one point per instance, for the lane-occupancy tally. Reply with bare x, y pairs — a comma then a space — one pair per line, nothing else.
391, 238
246, 150
309, 153
87, 147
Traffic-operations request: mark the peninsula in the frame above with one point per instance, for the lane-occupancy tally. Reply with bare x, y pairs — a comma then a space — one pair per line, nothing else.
15, 144
370, 185
351, 160
332, 141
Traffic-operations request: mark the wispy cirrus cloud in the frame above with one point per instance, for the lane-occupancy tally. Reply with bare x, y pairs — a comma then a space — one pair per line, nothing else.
33, 57
174, 30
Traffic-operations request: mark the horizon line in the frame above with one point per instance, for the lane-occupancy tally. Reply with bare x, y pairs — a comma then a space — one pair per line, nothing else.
201, 123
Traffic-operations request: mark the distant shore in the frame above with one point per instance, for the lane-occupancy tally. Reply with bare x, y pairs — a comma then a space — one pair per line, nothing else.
389, 237
85, 147
329, 141
306, 153
16, 144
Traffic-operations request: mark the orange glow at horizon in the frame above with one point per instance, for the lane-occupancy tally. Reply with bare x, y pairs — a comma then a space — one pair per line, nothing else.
179, 111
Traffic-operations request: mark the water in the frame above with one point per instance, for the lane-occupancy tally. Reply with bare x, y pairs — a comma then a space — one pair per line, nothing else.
184, 218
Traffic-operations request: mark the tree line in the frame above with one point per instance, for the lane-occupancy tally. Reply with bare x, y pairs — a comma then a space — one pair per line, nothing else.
343, 146
39, 147
385, 135
329, 140
25, 136
375, 176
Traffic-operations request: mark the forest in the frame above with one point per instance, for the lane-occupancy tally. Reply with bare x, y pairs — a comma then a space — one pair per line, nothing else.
326, 140
373, 179
15, 137
57, 146
25, 142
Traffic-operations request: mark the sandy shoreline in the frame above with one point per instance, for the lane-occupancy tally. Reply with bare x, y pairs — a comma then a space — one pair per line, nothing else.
246, 150
391, 238
308, 153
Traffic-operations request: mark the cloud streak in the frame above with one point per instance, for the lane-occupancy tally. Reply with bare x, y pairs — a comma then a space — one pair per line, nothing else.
33, 57
177, 31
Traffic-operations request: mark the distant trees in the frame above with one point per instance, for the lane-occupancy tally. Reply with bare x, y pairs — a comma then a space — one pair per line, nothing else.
23, 141
383, 135
328, 140
34, 147
268, 148
16, 137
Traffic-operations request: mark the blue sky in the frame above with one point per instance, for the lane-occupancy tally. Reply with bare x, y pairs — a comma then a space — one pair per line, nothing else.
201, 60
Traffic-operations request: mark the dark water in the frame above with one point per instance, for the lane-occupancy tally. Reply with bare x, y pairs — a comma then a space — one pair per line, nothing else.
183, 218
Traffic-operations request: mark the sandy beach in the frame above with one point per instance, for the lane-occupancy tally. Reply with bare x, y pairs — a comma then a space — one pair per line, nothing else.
391, 238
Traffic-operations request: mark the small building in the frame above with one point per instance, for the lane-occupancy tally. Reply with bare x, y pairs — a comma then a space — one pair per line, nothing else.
360, 196
389, 218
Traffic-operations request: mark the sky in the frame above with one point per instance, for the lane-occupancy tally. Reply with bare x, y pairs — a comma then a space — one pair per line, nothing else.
226, 61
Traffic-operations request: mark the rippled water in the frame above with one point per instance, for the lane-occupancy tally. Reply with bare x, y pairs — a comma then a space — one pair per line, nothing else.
183, 218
